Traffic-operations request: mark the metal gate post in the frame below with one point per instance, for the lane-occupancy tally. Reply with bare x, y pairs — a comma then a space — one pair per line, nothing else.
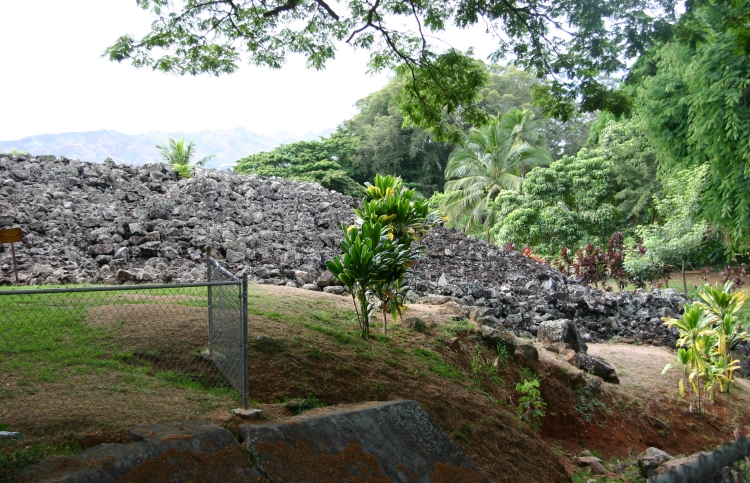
210, 301
243, 312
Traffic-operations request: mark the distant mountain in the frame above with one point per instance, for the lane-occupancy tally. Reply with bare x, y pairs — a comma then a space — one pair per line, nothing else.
228, 145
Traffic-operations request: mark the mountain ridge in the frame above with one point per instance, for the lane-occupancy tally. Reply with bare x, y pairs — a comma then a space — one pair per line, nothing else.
227, 145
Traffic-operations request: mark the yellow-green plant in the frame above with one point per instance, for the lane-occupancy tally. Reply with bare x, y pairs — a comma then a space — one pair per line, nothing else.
693, 327
406, 221
721, 301
722, 305
708, 332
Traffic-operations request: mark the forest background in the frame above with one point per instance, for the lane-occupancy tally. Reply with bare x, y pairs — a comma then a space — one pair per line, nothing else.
617, 150
646, 174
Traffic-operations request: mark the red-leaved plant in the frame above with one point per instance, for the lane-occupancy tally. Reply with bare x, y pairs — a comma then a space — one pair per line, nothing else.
735, 274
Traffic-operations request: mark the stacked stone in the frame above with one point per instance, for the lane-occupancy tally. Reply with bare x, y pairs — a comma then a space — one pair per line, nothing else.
519, 293
86, 222
108, 223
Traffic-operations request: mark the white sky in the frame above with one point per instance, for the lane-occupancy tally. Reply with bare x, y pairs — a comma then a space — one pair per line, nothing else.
53, 80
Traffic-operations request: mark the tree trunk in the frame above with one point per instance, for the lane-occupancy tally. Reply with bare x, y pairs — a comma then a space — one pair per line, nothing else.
684, 281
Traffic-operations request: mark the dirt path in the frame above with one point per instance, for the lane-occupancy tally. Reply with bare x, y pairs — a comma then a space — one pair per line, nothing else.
640, 370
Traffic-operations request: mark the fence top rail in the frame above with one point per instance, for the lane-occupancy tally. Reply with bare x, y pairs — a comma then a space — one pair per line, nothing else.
707, 465
212, 262
116, 288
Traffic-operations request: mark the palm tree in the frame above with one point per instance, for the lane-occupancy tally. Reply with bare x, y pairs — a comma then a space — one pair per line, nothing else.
493, 158
179, 154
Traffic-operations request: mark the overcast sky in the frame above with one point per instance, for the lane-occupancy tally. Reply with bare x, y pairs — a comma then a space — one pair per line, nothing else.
53, 80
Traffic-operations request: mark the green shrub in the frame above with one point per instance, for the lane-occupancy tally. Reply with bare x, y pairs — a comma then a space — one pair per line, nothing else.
531, 404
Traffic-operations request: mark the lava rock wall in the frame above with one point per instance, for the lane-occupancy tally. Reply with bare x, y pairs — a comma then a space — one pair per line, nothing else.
108, 223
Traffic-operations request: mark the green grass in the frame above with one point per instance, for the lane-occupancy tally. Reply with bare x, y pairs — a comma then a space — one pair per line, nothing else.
457, 327
436, 365
18, 458
336, 334
46, 338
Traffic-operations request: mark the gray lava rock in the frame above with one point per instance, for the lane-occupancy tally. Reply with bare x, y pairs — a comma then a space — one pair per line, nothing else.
335, 289
497, 338
526, 355
651, 459
561, 330
326, 278
125, 276
383, 433
265, 341
414, 322
162, 452
596, 366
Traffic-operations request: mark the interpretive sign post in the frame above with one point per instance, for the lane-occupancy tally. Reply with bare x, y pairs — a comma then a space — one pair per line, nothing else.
12, 236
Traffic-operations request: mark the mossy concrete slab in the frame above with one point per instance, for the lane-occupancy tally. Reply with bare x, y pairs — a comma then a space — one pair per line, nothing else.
395, 441
171, 452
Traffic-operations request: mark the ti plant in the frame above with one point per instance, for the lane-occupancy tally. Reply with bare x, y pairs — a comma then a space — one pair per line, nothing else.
722, 305
378, 248
370, 259
707, 334
407, 220
721, 301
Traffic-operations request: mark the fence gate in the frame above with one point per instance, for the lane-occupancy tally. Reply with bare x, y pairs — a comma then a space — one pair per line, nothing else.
227, 326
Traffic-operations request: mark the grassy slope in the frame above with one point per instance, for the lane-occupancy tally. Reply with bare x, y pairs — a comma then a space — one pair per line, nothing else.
318, 353
66, 382
73, 390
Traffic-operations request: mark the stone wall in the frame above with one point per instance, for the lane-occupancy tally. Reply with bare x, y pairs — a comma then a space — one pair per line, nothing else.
108, 223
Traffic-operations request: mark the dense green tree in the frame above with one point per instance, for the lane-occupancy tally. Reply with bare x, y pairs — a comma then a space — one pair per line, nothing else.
680, 235
493, 158
389, 144
327, 162
385, 146
574, 42
510, 88
695, 99
568, 204
634, 165
584, 198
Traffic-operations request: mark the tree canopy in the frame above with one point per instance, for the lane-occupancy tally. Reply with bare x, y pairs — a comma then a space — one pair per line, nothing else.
492, 159
327, 162
573, 41
386, 146
695, 96
379, 140
568, 204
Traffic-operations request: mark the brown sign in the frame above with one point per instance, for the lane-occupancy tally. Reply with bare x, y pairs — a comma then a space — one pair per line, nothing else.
12, 235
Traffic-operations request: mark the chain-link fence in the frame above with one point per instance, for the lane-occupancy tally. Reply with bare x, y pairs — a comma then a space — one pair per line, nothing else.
728, 464
128, 353
227, 339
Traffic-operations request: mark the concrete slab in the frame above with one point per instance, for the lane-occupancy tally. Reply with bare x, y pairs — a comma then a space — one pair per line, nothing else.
395, 441
170, 452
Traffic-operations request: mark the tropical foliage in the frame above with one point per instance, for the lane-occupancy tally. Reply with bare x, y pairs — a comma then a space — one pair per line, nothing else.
569, 204
708, 331
378, 249
680, 235
384, 145
492, 159
695, 101
327, 162
531, 404
180, 155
